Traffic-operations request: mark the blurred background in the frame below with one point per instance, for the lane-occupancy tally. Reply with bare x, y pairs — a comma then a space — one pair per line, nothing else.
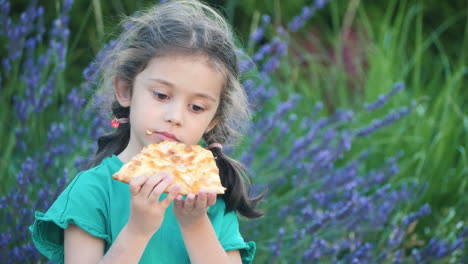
359, 132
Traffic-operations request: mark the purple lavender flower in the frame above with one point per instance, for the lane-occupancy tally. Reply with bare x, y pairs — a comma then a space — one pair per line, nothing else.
307, 12
383, 99
397, 256
386, 121
75, 99
424, 210
259, 32
416, 256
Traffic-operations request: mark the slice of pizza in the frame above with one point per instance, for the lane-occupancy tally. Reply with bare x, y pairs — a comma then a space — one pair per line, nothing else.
193, 167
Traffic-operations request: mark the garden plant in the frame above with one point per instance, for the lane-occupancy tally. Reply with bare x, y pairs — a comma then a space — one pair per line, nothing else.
359, 133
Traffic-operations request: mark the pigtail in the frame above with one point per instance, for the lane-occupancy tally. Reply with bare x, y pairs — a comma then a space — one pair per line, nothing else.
234, 176
113, 143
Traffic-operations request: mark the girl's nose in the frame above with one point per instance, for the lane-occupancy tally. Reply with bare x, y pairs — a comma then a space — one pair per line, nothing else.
174, 115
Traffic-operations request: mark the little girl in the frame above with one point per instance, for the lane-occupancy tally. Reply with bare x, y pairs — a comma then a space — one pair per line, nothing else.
174, 76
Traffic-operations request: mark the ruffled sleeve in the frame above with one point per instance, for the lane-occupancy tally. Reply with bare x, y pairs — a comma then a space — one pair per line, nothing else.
82, 203
231, 239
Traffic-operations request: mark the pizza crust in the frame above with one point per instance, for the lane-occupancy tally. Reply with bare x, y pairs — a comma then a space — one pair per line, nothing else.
193, 167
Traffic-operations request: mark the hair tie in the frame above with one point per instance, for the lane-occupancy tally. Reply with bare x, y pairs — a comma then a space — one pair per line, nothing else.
215, 145
117, 121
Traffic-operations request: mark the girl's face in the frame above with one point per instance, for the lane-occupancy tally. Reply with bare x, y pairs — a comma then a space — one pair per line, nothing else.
175, 98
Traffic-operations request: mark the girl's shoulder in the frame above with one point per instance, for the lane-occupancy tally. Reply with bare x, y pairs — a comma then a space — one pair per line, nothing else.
109, 165
99, 175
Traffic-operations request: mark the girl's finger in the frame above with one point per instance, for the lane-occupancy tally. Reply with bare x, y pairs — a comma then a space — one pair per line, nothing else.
179, 202
189, 201
171, 196
201, 200
159, 189
151, 183
136, 183
211, 199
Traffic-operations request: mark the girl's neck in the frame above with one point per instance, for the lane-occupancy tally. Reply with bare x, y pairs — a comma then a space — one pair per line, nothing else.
127, 154
124, 157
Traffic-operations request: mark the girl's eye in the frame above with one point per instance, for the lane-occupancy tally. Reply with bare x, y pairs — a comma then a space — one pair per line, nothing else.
161, 96
196, 108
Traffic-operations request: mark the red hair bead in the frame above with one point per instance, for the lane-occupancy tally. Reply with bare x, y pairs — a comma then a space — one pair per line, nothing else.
115, 123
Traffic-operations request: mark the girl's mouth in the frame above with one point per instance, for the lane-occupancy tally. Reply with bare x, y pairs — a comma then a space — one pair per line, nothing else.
162, 135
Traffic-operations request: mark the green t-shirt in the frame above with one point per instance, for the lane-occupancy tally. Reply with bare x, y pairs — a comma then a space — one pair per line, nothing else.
100, 206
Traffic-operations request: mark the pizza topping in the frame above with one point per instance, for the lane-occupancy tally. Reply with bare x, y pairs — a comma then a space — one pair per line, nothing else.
193, 167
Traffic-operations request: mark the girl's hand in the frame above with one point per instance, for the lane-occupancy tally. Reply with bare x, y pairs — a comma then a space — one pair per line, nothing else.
193, 208
146, 211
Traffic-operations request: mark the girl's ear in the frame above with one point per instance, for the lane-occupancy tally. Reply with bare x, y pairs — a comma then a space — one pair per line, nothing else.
211, 125
122, 92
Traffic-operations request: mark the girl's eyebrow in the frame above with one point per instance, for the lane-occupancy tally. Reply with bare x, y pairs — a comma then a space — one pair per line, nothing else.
171, 85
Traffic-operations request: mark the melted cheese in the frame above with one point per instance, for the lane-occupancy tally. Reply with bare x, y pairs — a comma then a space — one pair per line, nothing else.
193, 167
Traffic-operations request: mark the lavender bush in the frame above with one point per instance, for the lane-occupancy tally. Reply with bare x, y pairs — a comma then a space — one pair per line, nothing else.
324, 202
45, 129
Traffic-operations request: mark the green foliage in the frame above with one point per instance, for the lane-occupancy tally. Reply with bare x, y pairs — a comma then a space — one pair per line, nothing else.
353, 55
